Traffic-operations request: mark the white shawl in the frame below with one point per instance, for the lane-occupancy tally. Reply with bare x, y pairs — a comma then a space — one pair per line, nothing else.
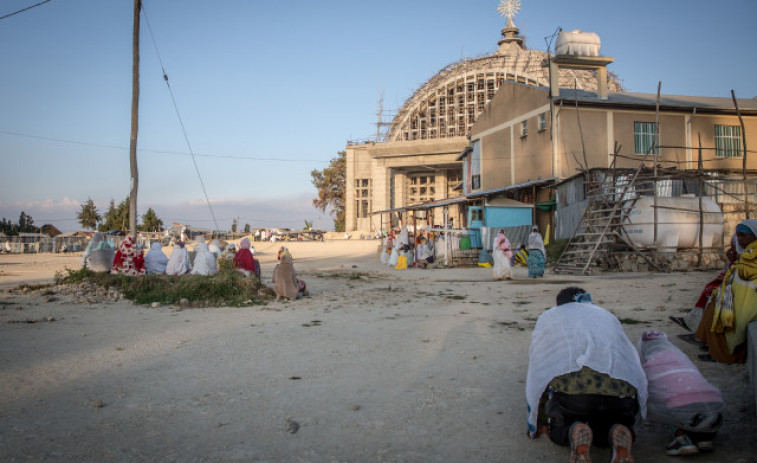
571, 336
155, 260
178, 263
205, 261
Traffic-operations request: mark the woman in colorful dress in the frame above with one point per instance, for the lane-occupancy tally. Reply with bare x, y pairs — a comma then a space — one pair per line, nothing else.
502, 255
734, 305
536, 254
129, 260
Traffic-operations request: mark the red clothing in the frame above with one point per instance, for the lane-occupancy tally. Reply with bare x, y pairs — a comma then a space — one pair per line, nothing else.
244, 260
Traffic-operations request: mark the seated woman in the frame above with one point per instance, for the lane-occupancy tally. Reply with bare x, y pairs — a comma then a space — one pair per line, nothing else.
99, 255
734, 305
129, 260
205, 261
285, 280
156, 260
425, 253
690, 321
244, 260
178, 263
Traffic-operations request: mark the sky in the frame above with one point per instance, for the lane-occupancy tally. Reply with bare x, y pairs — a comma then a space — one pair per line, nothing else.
267, 92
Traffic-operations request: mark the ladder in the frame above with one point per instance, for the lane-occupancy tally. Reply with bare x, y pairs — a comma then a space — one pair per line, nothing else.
601, 227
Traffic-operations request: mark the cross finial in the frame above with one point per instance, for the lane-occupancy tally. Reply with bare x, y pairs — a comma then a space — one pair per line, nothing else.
509, 8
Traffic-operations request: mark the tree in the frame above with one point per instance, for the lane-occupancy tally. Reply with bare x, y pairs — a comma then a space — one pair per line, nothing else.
247, 228
234, 226
116, 217
88, 216
151, 222
26, 224
330, 183
308, 225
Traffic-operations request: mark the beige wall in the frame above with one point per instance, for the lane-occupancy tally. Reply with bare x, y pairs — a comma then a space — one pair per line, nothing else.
378, 161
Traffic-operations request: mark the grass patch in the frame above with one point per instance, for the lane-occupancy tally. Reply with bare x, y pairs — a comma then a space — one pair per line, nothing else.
455, 297
226, 287
630, 321
521, 302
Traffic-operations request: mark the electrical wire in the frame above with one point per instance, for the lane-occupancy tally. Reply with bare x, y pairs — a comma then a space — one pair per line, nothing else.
143, 150
178, 115
24, 9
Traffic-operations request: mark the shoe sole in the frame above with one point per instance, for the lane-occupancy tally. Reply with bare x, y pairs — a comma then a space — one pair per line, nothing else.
683, 451
580, 443
621, 440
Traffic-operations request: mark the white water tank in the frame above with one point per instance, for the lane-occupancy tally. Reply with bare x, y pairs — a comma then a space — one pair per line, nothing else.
677, 223
577, 43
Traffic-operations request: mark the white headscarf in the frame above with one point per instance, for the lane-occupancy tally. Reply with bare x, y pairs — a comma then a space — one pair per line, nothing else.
178, 263
205, 261
535, 241
215, 248
155, 260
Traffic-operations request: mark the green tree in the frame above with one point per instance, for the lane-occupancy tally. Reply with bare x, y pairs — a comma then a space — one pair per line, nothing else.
247, 228
116, 217
234, 226
330, 184
151, 222
308, 225
88, 216
26, 224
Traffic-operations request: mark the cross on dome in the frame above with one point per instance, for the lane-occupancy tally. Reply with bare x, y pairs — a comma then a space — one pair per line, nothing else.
509, 8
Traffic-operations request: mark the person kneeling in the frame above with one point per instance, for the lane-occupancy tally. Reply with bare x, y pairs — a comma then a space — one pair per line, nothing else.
585, 383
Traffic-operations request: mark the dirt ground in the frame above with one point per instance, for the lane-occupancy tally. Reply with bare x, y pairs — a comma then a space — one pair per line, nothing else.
376, 365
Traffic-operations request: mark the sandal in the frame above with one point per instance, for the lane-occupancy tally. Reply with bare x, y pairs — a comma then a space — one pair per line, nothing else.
680, 322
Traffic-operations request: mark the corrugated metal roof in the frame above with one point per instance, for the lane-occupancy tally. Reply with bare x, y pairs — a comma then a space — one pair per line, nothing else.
512, 187
681, 102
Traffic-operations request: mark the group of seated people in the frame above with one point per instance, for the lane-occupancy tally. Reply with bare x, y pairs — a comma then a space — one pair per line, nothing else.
400, 254
130, 260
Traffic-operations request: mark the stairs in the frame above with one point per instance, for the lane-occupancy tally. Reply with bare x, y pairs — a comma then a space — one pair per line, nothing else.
601, 230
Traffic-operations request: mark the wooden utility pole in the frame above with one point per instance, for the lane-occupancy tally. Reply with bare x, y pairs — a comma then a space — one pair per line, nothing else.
134, 124
743, 142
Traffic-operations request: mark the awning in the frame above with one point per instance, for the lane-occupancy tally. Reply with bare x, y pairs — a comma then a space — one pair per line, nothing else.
495, 191
427, 205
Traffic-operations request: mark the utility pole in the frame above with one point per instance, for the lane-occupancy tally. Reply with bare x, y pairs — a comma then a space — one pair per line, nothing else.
134, 123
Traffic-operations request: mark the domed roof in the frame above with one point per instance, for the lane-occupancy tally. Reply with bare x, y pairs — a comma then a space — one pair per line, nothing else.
448, 104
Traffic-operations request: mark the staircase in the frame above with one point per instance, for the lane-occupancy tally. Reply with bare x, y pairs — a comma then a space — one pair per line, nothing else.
601, 228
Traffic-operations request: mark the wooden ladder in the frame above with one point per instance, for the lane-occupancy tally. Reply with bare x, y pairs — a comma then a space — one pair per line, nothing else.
602, 224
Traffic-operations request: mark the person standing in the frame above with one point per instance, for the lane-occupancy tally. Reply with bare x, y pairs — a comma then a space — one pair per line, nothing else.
537, 255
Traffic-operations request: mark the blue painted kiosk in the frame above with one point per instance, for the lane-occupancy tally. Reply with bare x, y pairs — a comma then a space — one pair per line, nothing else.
513, 216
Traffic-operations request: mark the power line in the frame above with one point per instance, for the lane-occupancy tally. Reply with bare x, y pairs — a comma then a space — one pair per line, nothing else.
24, 9
143, 150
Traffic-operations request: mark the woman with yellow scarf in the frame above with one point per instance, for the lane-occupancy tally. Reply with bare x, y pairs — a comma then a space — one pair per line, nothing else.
734, 305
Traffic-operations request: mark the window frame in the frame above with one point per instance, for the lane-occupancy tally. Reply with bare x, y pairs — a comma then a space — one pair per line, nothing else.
542, 124
728, 143
644, 137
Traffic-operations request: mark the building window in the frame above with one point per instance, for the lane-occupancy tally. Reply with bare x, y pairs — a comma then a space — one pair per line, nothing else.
727, 141
644, 138
362, 198
477, 215
524, 128
421, 188
542, 121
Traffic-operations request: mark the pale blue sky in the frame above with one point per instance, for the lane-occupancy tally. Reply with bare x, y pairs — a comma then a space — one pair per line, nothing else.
284, 84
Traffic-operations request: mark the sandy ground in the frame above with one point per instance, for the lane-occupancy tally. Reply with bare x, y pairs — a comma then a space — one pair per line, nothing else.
377, 365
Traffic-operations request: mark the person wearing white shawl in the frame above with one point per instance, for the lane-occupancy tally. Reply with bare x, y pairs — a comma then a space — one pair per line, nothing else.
178, 263
205, 261
99, 255
215, 248
536, 253
155, 260
585, 380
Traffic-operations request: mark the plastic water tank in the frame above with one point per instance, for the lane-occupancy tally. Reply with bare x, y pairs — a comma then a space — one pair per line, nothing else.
677, 223
577, 43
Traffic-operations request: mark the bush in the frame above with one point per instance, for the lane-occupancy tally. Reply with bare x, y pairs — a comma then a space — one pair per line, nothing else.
227, 287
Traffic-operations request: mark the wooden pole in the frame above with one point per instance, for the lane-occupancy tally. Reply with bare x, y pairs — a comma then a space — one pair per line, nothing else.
743, 141
700, 181
655, 148
134, 124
